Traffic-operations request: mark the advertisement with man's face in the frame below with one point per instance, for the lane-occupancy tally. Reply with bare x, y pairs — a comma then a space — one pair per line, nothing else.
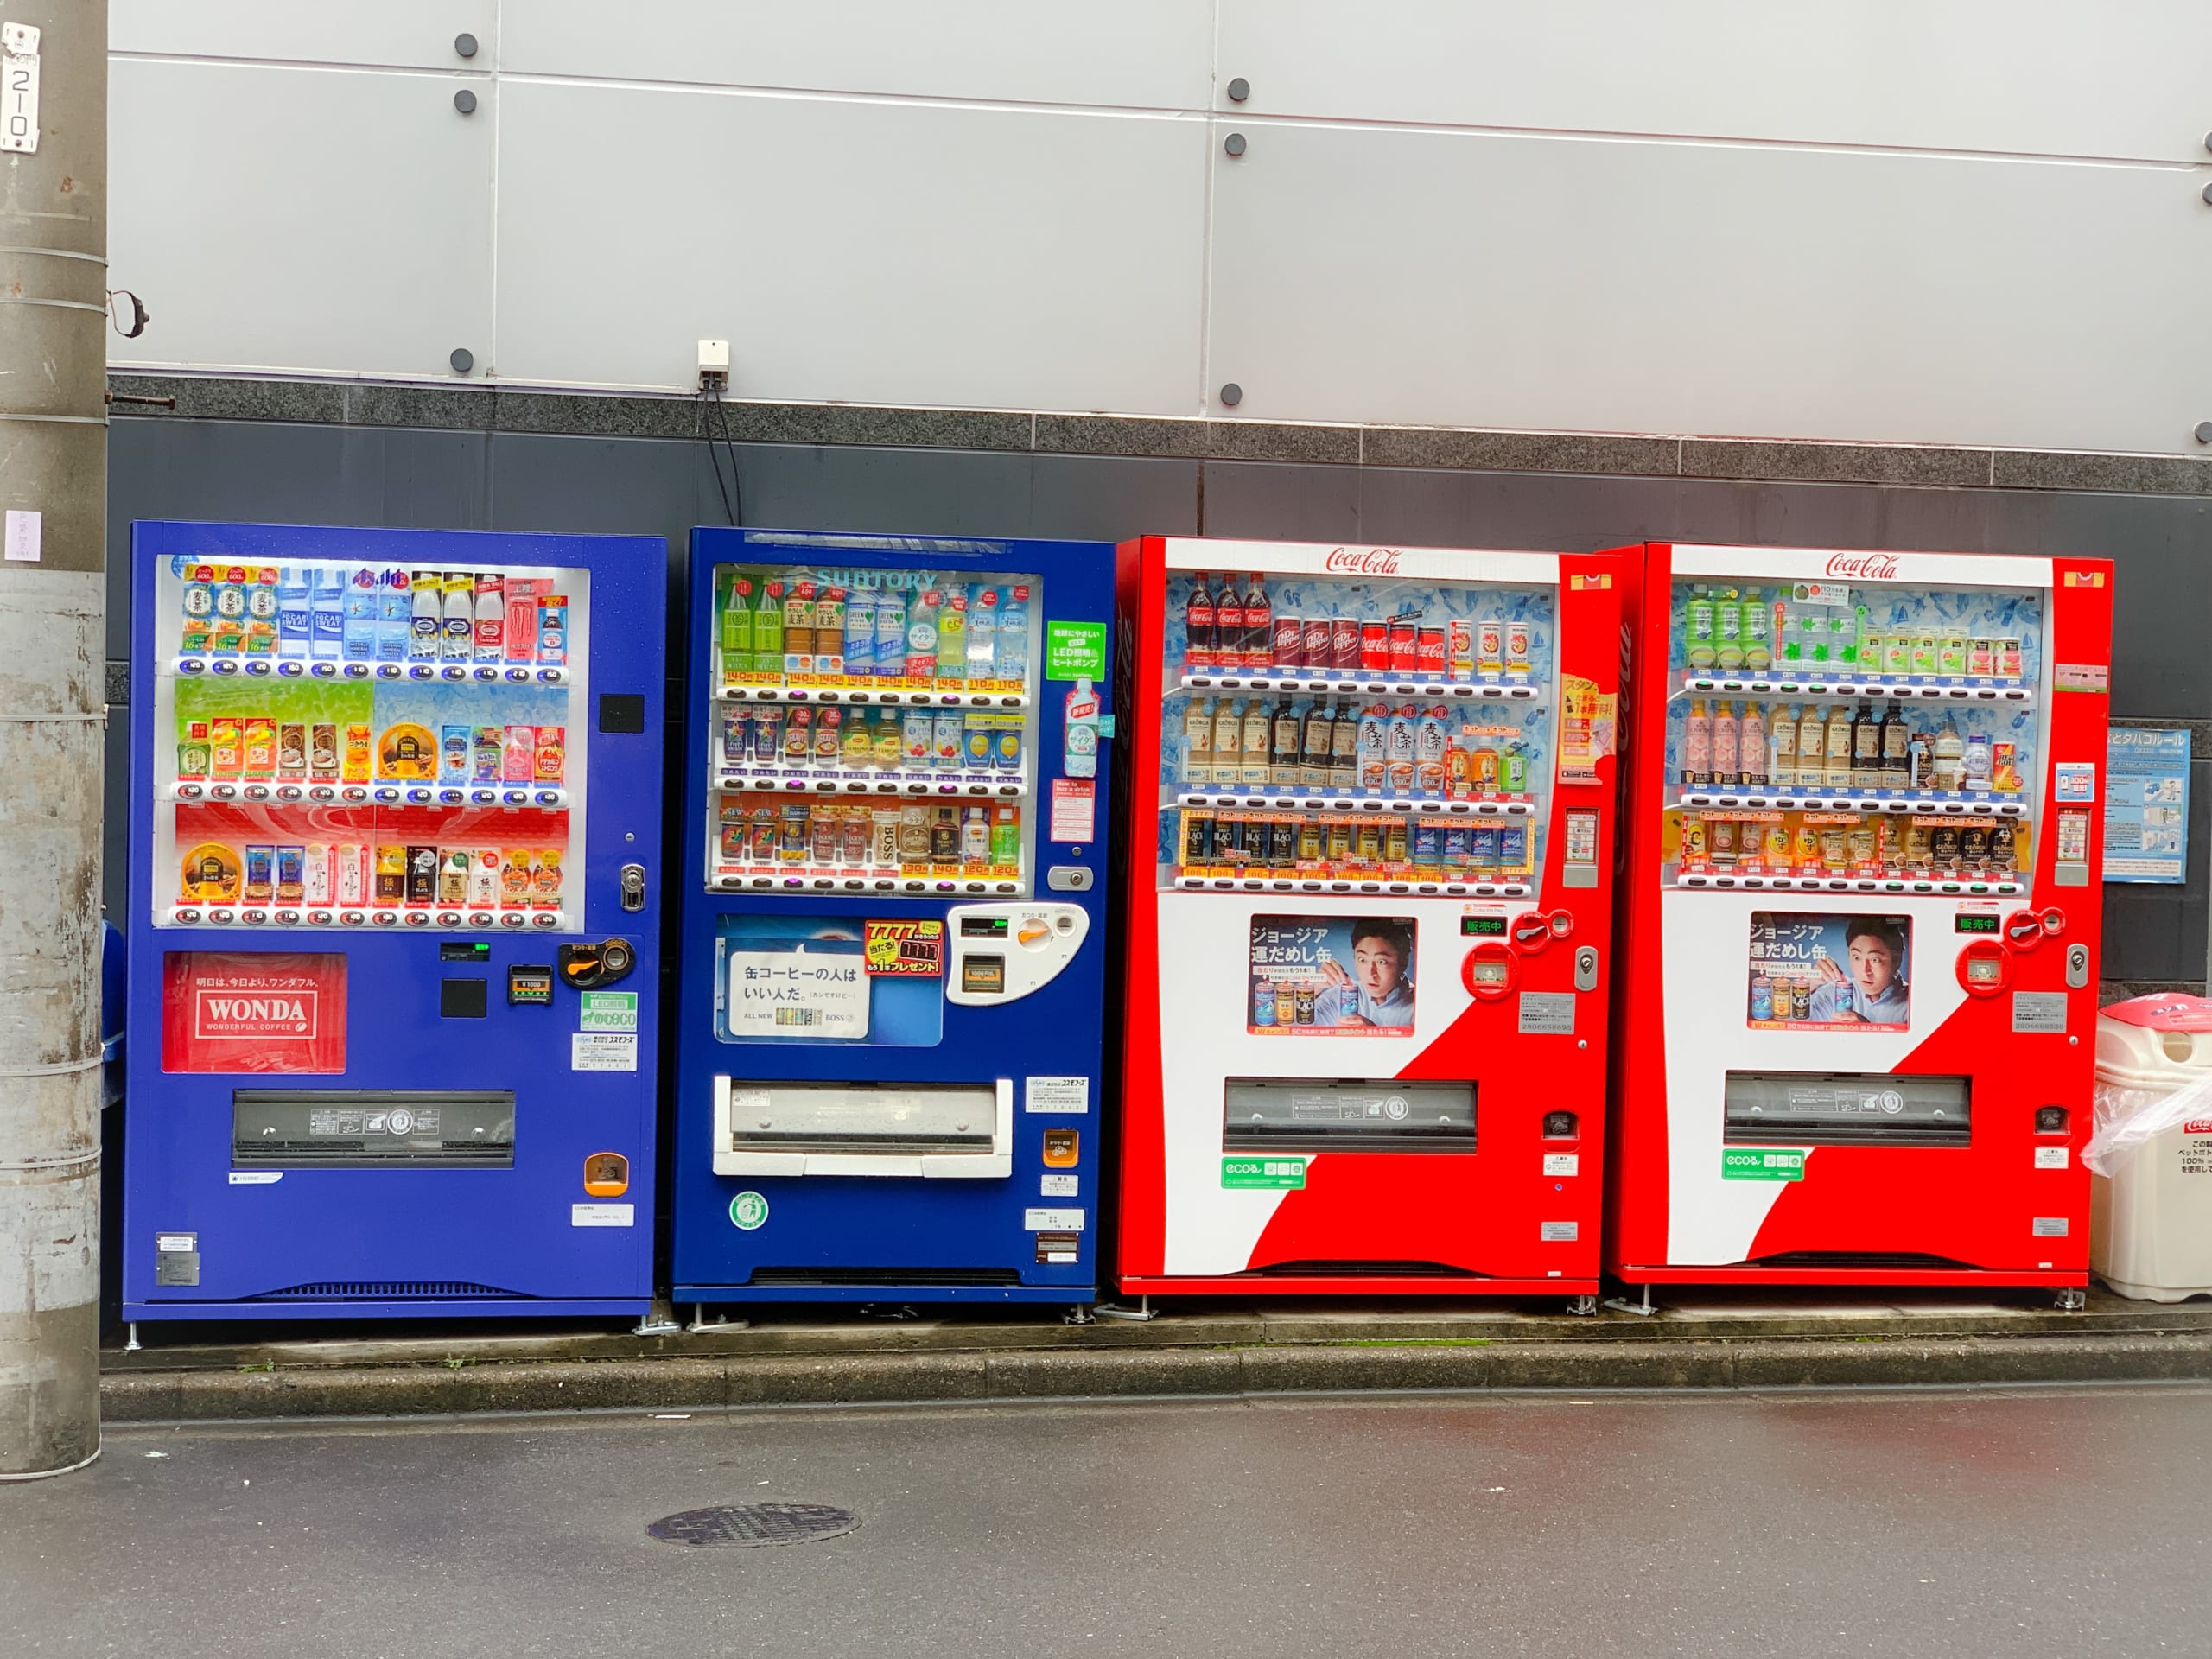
1830, 973
1331, 976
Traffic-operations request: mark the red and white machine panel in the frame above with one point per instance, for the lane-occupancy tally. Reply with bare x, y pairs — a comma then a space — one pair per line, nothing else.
1858, 993
1366, 1010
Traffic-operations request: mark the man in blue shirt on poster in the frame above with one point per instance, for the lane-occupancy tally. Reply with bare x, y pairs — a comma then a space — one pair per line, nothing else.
1875, 992
1379, 990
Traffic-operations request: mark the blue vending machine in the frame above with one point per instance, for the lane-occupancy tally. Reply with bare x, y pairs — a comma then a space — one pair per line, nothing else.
395, 823
895, 919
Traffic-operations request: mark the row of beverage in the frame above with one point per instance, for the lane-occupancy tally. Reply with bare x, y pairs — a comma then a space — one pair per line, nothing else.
870, 738
349, 873
1818, 626
1384, 748
793, 623
1329, 845
1807, 746
261, 748
1225, 632
307, 611
765, 833
1849, 843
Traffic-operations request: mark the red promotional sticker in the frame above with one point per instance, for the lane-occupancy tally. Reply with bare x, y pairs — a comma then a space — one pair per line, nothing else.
278, 1012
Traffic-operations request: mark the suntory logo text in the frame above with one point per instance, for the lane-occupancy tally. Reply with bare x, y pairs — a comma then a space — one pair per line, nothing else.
288, 1014
1363, 561
1862, 567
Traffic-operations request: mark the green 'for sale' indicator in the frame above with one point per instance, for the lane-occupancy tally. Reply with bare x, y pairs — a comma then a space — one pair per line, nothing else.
1763, 1163
1287, 1174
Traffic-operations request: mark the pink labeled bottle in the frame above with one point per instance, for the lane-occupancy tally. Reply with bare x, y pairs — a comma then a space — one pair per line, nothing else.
1697, 746
1751, 746
1724, 731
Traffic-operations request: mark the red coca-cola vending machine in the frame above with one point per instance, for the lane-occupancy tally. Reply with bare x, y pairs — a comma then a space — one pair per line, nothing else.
1365, 1018
1858, 995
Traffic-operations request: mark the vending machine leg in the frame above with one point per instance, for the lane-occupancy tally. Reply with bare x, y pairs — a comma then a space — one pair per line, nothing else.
132, 1345
659, 1320
700, 1324
2072, 1299
1078, 1314
1140, 1314
1581, 1306
1646, 1306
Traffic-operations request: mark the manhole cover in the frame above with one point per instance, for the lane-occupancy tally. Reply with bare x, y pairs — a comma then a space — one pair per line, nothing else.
741, 1526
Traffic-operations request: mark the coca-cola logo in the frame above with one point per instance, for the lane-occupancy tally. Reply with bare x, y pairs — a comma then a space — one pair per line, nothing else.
1862, 567
1363, 561
2197, 1126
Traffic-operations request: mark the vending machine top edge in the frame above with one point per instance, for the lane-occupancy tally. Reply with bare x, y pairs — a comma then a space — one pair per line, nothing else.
395, 827
893, 982
1861, 926
1365, 1017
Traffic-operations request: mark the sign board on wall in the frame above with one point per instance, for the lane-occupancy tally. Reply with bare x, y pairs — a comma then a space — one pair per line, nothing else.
2147, 805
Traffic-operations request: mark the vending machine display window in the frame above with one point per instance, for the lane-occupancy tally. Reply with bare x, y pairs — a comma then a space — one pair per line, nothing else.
873, 730
349, 744
1364, 733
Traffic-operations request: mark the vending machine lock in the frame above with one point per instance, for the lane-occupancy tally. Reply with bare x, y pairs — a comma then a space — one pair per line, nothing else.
633, 886
584, 966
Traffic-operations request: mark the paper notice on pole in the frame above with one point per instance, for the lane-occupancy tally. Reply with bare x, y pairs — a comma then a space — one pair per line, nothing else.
26, 533
1075, 810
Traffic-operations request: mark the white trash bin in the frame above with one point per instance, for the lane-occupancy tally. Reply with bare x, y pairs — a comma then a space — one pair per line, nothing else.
2151, 1157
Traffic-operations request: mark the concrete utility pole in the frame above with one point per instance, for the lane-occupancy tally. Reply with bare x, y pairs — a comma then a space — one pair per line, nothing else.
52, 718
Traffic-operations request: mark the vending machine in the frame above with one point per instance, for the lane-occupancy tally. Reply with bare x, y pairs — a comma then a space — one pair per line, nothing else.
1859, 987
893, 936
394, 824
1364, 1047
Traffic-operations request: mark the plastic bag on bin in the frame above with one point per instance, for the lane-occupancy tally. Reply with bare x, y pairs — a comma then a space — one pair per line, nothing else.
2130, 1114
2127, 1116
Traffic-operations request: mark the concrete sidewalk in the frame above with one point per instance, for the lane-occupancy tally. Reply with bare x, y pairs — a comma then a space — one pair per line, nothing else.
1716, 1339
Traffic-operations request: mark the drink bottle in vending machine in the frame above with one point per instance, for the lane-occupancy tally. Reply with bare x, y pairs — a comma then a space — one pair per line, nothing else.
395, 808
1862, 820
890, 1019
1364, 1022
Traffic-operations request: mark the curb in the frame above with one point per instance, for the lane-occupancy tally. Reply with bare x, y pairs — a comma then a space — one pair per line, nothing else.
912, 1378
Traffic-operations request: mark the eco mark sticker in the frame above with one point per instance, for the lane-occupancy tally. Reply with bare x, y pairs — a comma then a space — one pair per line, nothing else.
1075, 650
1763, 1163
609, 1011
747, 1210
1280, 1174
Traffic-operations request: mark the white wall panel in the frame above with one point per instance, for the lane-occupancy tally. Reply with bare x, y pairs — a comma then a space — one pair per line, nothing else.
300, 219
1472, 279
2045, 77
894, 252
408, 33
1147, 53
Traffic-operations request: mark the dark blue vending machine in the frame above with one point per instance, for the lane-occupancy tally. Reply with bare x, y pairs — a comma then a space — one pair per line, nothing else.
895, 919
394, 819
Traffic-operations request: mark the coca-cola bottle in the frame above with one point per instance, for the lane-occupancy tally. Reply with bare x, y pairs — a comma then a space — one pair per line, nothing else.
1228, 625
1199, 623
1259, 625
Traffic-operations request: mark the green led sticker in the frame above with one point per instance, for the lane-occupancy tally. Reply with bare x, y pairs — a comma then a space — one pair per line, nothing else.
1763, 1163
1075, 650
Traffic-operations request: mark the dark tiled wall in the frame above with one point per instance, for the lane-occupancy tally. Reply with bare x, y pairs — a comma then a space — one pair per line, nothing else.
325, 470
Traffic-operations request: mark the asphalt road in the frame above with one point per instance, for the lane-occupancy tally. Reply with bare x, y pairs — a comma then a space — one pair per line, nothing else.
2061, 1522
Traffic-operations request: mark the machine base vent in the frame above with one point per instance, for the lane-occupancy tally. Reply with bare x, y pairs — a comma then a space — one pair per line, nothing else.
833, 1278
1360, 1270
381, 1290
1866, 1262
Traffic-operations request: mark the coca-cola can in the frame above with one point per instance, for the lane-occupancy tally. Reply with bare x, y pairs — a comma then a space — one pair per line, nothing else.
1404, 648
1289, 641
1343, 642
1430, 648
1317, 642
1374, 647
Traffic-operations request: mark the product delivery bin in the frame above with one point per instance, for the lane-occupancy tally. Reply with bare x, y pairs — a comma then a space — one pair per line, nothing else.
2151, 1159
